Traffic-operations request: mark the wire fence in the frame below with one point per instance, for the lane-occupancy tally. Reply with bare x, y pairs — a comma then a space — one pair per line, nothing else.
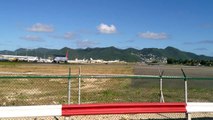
26, 91
77, 89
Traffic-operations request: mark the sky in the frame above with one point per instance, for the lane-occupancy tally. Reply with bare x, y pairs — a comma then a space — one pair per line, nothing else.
183, 24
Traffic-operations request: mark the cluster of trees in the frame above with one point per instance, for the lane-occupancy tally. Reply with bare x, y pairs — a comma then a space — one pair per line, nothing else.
190, 62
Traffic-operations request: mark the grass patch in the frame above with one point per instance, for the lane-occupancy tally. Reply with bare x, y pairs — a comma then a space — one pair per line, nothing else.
54, 91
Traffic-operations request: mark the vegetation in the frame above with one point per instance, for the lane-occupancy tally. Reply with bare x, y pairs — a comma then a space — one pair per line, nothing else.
110, 53
54, 91
190, 62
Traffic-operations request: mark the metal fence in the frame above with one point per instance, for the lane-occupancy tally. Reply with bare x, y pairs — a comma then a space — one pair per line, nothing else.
77, 89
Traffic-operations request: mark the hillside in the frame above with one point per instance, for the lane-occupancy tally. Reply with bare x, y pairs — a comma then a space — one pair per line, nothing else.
111, 53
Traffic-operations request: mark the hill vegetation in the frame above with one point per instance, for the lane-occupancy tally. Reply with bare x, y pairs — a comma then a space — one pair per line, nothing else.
111, 53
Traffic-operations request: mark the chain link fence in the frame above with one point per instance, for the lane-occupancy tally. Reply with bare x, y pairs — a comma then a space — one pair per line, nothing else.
27, 91
50, 90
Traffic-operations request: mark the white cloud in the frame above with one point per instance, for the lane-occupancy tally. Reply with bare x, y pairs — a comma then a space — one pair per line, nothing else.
66, 36
106, 29
31, 38
69, 35
85, 43
152, 35
39, 27
199, 42
201, 49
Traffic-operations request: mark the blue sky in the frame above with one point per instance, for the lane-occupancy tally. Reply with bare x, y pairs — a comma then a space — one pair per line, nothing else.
184, 24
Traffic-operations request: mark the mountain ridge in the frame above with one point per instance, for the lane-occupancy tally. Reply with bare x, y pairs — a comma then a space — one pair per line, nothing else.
112, 53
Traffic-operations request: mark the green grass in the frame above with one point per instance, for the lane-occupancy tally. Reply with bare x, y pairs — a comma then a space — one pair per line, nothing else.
54, 91
47, 91
8, 63
32, 91
123, 91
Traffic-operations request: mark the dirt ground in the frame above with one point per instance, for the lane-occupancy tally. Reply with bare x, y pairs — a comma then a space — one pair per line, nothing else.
63, 69
54, 91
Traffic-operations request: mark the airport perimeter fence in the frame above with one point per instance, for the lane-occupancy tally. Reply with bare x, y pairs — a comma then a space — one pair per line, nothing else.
80, 89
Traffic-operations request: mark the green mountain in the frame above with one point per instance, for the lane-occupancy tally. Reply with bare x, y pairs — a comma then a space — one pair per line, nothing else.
111, 53
174, 53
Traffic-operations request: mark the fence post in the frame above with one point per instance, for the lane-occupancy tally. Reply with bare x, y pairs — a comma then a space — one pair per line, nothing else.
69, 86
161, 85
79, 85
69, 90
186, 86
188, 115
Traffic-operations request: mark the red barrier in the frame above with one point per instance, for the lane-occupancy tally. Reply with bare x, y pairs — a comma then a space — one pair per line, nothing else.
122, 108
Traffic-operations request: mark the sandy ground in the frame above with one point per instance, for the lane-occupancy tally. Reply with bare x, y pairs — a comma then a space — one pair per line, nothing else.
160, 116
